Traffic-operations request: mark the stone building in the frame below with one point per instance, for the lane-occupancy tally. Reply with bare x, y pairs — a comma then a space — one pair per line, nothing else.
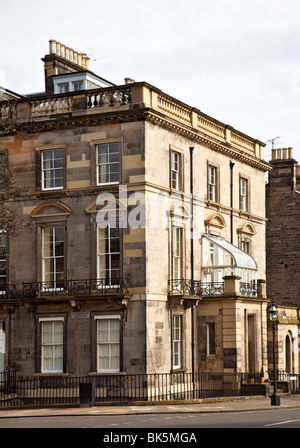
145, 245
283, 253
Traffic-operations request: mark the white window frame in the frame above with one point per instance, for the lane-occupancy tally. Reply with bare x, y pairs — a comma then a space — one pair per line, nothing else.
54, 257
244, 186
108, 255
47, 171
175, 170
245, 246
108, 164
212, 183
176, 341
63, 87
54, 344
177, 253
108, 343
75, 85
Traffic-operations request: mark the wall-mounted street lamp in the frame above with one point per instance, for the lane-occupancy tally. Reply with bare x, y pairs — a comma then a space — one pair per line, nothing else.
275, 398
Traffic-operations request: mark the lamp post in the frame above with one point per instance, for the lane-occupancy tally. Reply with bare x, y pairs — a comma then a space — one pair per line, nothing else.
275, 398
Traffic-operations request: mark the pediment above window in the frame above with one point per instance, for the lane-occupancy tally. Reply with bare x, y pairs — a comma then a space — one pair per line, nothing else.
214, 224
51, 209
247, 229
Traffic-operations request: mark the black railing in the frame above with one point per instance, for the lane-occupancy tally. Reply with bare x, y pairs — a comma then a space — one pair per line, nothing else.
195, 288
7, 382
7, 291
281, 375
248, 289
119, 388
77, 288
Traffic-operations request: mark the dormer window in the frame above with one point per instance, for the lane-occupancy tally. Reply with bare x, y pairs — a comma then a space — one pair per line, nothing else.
74, 82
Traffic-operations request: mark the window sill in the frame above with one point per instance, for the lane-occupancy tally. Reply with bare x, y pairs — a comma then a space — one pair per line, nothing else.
179, 370
50, 374
107, 183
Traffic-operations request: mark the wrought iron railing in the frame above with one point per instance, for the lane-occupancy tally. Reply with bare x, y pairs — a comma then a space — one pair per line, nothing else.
47, 391
7, 291
248, 289
195, 287
76, 288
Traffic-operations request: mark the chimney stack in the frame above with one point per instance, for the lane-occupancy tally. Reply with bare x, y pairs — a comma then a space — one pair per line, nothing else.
62, 59
59, 49
282, 153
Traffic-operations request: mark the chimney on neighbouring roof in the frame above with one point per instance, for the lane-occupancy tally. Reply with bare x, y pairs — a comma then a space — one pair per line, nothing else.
284, 170
282, 153
62, 59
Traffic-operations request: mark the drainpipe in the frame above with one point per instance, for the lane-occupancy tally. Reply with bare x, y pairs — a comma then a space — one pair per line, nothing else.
192, 257
231, 164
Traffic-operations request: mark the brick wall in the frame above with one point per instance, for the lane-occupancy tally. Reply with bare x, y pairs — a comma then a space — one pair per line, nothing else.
282, 236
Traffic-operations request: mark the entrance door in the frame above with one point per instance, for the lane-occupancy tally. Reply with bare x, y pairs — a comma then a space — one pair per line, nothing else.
251, 343
288, 354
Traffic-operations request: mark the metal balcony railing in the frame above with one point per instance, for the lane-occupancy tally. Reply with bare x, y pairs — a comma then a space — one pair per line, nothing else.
195, 288
76, 288
248, 289
7, 291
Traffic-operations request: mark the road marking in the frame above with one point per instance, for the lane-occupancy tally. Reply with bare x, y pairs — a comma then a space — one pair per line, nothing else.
283, 423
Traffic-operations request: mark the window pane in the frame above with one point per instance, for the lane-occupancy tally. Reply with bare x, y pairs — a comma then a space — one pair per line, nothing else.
114, 330
108, 339
108, 253
52, 346
47, 333
53, 254
47, 359
52, 167
176, 341
58, 332
175, 166
108, 163
115, 357
104, 357
103, 331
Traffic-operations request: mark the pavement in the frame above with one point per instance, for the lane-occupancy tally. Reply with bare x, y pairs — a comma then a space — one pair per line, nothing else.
237, 404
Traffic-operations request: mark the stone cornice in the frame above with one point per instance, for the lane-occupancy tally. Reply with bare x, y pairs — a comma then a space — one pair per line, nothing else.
214, 144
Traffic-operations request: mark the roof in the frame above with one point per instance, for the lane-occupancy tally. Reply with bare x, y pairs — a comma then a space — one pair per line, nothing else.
6, 94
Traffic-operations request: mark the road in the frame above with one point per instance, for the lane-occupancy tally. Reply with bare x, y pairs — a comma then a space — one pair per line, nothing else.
277, 418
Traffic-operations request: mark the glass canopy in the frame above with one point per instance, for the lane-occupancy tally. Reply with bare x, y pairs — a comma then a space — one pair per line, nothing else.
221, 258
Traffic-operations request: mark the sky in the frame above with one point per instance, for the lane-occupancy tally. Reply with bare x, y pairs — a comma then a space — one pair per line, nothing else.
235, 60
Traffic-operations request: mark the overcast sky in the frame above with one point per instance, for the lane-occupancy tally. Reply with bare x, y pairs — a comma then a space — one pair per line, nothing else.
236, 60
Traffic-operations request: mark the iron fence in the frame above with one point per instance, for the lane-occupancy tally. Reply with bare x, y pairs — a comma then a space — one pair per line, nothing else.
48, 391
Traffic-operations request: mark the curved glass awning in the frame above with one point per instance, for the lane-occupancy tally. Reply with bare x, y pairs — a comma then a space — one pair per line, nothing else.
221, 258
240, 259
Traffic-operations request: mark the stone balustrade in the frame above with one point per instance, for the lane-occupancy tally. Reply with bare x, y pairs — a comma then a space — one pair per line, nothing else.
7, 110
51, 106
134, 95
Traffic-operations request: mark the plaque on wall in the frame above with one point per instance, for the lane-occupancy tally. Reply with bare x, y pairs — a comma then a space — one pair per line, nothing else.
80, 315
